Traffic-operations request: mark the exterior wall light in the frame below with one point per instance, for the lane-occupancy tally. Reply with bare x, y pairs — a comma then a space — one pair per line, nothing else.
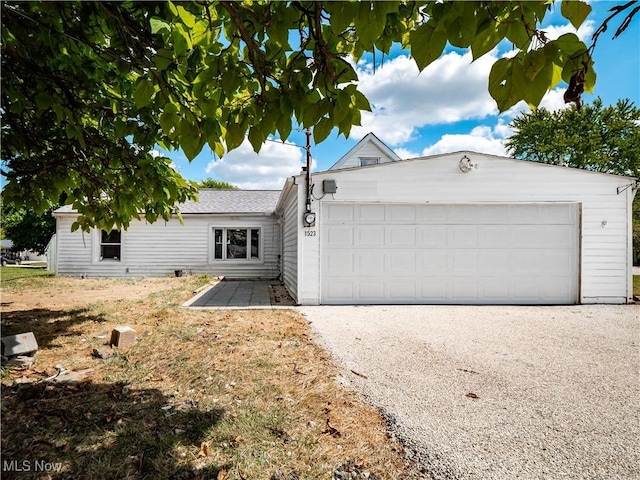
466, 165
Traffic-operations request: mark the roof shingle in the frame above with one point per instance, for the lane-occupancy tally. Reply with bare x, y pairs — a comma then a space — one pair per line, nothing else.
223, 201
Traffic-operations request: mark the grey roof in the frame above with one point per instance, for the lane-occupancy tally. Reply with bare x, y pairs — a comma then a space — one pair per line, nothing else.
223, 201
233, 201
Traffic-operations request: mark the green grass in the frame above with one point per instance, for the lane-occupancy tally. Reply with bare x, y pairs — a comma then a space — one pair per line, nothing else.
636, 285
11, 274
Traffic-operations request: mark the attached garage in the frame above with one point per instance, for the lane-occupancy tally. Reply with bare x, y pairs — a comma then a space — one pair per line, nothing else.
459, 228
438, 254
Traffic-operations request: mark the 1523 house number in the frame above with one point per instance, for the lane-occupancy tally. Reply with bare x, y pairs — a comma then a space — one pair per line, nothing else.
309, 233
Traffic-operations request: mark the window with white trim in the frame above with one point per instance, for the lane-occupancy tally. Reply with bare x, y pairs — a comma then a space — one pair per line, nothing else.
110, 245
236, 243
366, 161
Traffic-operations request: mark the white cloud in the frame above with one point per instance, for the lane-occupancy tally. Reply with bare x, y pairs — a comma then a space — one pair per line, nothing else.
482, 139
266, 170
584, 32
405, 153
451, 89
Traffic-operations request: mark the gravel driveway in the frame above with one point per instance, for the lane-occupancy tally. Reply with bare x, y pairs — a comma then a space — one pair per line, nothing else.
498, 392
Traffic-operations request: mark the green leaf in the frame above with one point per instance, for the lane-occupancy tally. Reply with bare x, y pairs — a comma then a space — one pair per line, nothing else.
187, 18
284, 126
486, 38
163, 59
534, 62
144, 92
190, 139
361, 101
427, 44
256, 137
322, 130
158, 25
576, 11
507, 82
569, 43
235, 136
43, 100
216, 145
169, 118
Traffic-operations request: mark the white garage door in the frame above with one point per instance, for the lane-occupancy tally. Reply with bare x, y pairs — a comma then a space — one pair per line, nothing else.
457, 254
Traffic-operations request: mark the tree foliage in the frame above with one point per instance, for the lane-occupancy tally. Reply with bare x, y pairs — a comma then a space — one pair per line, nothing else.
598, 138
216, 184
89, 89
26, 229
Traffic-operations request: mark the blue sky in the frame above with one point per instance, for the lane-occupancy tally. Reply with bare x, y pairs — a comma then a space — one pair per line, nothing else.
443, 109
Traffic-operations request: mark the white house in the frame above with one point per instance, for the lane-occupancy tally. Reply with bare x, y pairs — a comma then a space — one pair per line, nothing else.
460, 228
229, 232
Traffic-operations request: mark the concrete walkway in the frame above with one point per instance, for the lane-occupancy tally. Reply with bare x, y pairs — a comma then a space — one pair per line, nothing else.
234, 294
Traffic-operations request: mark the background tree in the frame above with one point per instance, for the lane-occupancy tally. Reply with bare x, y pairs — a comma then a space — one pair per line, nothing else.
89, 89
26, 229
217, 184
598, 138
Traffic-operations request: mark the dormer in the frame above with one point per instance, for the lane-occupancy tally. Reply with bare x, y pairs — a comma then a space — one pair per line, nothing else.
368, 151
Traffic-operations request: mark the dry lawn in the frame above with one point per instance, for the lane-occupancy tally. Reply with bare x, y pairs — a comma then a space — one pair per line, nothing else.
202, 394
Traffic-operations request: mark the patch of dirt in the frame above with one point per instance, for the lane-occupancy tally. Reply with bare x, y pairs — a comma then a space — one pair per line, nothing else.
280, 296
77, 292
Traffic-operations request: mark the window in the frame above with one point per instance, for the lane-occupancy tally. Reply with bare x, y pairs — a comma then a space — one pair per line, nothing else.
366, 161
110, 245
236, 243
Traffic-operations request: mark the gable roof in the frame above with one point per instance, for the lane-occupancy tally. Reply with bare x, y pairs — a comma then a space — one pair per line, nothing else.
369, 138
222, 201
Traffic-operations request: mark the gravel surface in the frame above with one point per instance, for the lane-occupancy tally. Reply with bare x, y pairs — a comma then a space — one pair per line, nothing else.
498, 392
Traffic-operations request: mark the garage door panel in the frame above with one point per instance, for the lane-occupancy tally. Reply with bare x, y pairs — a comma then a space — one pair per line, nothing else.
463, 262
431, 214
339, 263
370, 262
371, 290
402, 214
432, 236
370, 236
483, 253
493, 263
464, 290
401, 263
433, 262
340, 212
556, 214
340, 236
435, 288
493, 215
494, 236
401, 236
523, 263
404, 289
494, 289
524, 214
462, 214
371, 214
340, 291
462, 236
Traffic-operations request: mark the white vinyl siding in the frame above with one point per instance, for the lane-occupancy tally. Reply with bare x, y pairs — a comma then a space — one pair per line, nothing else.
160, 248
291, 219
